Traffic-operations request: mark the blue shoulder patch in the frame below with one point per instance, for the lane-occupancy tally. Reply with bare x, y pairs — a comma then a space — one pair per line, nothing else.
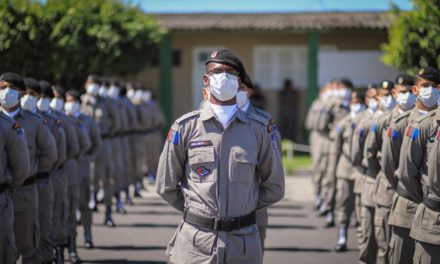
374, 127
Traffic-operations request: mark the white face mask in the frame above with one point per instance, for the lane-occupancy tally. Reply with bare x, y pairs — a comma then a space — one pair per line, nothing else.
372, 104
146, 96
130, 93
9, 97
29, 102
72, 108
356, 108
223, 86
43, 104
57, 104
428, 96
388, 102
342, 93
92, 89
406, 100
242, 99
103, 92
113, 92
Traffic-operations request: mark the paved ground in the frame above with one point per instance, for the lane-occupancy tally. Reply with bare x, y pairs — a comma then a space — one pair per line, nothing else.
295, 233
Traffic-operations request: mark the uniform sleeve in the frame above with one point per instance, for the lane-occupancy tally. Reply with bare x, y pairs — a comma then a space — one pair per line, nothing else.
171, 170
47, 150
60, 140
95, 138
115, 120
18, 158
388, 160
271, 172
71, 140
83, 139
372, 147
357, 146
411, 162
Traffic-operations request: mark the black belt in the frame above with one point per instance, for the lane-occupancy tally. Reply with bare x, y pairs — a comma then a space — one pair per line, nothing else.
432, 204
3, 187
219, 224
403, 192
29, 181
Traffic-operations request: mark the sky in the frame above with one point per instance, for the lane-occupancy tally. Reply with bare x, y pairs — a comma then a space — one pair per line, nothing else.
251, 6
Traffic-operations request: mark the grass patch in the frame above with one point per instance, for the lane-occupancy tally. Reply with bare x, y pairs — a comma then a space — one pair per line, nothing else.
298, 162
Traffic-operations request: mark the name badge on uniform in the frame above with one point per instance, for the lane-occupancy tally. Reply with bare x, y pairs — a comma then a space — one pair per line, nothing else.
201, 143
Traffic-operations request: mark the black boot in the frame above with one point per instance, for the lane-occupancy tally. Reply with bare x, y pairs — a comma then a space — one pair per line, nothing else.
108, 221
73, 255
88, 243
59, 255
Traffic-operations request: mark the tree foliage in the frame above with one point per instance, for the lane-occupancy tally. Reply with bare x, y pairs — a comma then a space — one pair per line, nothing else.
414, 37
65, 40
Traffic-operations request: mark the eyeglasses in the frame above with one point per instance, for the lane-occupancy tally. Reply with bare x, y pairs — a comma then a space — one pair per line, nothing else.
229, 72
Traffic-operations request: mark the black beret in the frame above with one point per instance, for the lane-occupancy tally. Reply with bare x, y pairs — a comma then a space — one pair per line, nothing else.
227, 57
75, 94
46, 88
14, 79
32, 84
248, 82
346, 82
372, 85
59, 89
386, 85
430, 74
94, 78
404, 79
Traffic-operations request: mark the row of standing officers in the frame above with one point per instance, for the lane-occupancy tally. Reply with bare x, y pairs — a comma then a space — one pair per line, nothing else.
375, 153
58, 150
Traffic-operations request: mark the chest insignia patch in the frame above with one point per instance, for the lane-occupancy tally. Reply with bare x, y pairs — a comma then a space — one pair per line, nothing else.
202, 171
202, 143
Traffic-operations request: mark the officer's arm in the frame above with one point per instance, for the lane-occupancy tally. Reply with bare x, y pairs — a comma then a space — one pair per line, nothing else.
271, 172
372, 147
387, 159
95, 137
356, 146
171, 169
412, 162
71, 140
60, 142
83, 139
18, 157
47, 149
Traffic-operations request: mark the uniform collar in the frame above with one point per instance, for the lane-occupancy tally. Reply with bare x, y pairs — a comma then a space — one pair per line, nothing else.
207, 113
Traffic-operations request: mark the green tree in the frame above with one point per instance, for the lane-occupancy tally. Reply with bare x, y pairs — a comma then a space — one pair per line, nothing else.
414, 37
65, 40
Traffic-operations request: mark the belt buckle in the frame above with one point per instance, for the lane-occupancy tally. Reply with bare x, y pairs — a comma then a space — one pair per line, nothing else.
227, 224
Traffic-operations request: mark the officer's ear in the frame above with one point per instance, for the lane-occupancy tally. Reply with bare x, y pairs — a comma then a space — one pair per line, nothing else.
206, 80
414, 90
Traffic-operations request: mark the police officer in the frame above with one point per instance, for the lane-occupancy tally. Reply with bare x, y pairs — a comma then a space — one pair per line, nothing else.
218, 166
344, 198
423, 184
42, 156
243, 95
44, 183
73, 107
404, 204
13, 170
375, 178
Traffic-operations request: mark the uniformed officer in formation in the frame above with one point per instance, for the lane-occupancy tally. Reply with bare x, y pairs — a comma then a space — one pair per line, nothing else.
218, 166
390, 151
51, 150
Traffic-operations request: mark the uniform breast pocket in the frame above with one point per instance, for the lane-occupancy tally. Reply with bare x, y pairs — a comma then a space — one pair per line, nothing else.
201, 162
242, 165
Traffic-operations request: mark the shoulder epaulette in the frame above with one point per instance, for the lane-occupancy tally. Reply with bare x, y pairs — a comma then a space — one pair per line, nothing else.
187, 116
263, 113
34, 114
260, 119
425, 116
402, 115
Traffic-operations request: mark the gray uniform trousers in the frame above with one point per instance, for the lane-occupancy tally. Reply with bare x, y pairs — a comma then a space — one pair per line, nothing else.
8, 250
45, 217
345, 202
118, 166
72, 196
84, 165
60, 206
26, 226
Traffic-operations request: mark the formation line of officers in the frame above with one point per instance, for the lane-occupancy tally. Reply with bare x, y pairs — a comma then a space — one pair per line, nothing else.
59, 151
376, 154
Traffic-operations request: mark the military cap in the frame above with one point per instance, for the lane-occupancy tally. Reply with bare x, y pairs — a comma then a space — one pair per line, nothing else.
372, 85
94, 78
75, 94
346, 82
225, 56
386, 85
14, 79
59, 89
46, 88
32, 84
430, 74
404, 79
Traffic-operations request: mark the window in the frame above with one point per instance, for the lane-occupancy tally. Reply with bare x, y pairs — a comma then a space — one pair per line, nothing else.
274, 64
